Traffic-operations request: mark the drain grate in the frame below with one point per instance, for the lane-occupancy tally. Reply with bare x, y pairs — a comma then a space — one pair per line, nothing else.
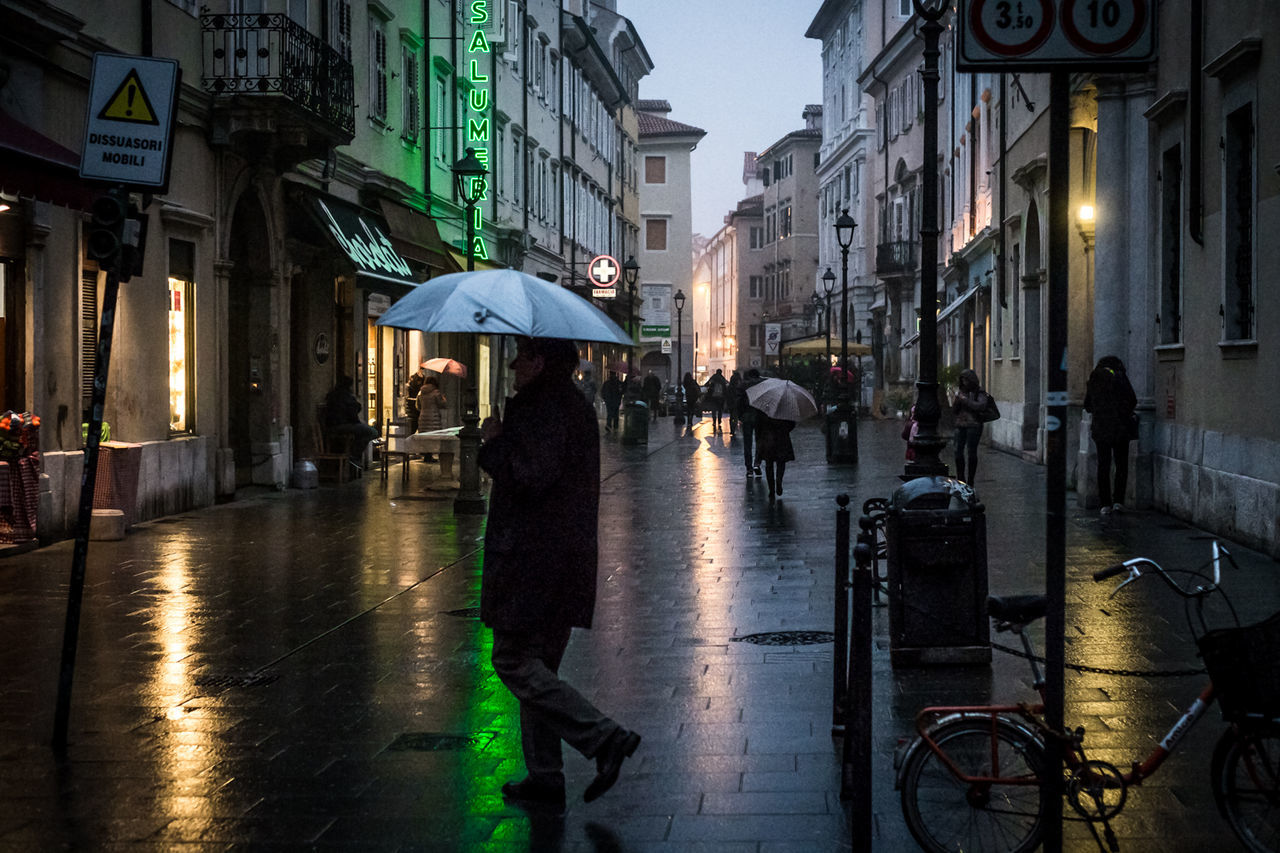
464, 613
787, 638
224, 682
439, 742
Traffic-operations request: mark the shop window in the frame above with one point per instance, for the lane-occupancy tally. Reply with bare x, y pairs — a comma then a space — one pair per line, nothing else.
181, 335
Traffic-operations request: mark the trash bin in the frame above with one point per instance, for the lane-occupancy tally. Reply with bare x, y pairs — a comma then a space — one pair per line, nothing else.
635, 422
936, 530
842, 435
119, 465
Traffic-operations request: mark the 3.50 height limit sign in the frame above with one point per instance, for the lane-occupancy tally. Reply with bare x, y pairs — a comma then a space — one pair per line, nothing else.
1039, 35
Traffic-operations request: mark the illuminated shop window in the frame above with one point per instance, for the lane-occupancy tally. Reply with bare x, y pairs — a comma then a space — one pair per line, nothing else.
181, 337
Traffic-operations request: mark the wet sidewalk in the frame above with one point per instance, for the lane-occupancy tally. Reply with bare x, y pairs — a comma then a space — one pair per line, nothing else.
305, 670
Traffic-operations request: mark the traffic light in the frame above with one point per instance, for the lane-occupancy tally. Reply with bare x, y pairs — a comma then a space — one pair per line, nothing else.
107, 234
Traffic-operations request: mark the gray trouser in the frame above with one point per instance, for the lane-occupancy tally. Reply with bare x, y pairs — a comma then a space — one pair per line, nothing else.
550, 710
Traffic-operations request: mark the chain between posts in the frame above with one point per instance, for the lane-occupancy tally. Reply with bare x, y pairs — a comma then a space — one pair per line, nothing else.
1103, 670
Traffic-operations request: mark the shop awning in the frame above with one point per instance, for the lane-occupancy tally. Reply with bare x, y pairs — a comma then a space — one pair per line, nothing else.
461, 258
813, 346
957, 303
417, 238
34, 166
361, 235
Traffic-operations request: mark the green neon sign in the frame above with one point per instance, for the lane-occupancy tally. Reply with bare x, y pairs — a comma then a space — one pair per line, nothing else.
478, 101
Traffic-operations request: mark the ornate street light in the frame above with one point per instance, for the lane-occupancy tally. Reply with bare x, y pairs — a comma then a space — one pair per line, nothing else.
679, 300
630, 273
828, 287
469, 179
842, 424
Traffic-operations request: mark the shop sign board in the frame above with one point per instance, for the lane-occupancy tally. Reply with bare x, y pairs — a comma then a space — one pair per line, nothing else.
655, 331
1040, 35
129, 124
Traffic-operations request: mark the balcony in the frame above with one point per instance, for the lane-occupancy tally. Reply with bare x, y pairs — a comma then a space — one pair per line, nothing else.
277, 87
896, 258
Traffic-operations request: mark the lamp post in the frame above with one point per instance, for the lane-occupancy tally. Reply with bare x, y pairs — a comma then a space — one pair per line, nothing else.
679, 300
469, 179
631, 272
927, 443
828, 286
842, 423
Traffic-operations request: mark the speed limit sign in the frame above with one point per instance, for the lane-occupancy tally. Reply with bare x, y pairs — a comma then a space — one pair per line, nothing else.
1039, 35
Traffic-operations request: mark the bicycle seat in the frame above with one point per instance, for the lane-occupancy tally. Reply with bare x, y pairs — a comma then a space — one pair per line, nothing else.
1018, 609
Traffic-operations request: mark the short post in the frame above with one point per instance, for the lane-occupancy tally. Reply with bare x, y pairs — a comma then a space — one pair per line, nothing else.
855, 776
841, 668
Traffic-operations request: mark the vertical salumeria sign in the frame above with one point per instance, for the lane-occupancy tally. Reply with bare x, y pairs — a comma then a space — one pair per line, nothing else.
129, 124
478, 103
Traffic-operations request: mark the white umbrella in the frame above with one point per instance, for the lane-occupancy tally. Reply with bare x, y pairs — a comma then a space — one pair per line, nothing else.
782, 399
502, 302
446, 365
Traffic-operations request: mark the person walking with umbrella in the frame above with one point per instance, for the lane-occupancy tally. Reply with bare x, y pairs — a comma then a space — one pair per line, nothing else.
538, 581
779, 404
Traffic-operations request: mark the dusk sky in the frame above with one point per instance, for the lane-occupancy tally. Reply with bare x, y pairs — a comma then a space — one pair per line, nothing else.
741, 70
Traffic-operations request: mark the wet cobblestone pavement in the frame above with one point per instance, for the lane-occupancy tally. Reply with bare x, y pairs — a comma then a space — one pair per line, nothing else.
305, 670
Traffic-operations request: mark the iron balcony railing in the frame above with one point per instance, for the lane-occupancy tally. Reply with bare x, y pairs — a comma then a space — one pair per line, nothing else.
270, 54
896, 258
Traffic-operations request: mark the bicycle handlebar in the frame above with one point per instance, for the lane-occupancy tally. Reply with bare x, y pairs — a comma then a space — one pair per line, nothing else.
1133, 568
1110, 572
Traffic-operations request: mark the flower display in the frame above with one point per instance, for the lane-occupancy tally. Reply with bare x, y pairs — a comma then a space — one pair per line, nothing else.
19, 434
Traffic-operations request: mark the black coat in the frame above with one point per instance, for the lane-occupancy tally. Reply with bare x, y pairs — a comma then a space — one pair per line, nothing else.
773, 438
1110, 399
540, 545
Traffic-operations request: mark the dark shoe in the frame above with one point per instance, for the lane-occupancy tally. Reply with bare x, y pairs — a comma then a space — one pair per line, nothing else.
759, 473
531, 793
750, 473
779, 489
620, 745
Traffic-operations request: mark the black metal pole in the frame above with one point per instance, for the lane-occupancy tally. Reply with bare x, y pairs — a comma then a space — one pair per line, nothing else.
469, 500
840, 687
844, 324
88, 482
927, 443
828, 367
680, 415
1056, 445
855, 777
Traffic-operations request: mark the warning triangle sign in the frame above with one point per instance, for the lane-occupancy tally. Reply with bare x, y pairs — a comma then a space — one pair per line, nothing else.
130, 102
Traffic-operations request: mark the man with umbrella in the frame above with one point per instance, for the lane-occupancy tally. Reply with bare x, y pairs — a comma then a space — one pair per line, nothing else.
539, 577
779, 404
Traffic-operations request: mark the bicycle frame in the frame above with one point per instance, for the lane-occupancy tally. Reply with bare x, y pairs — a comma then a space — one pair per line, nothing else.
929, 718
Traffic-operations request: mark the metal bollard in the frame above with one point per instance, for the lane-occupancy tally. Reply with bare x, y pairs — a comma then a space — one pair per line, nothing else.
855, 775
841, 667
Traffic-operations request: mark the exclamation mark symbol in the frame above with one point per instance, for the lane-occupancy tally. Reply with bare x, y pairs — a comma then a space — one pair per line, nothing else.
130, 93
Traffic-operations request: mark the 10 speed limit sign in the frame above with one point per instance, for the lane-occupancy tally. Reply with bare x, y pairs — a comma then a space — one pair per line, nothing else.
1037, 35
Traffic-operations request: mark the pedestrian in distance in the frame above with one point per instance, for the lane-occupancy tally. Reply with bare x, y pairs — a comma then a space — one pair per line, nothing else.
970, 402
431, 405
652, 393
538, 581
611, 393
735, 399
411, 389
715, 393
692, 394
587, 383
1110, 399
749, 419
773, 449
343, 416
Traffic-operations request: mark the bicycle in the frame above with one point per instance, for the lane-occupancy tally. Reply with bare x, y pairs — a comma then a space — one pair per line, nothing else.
972, 778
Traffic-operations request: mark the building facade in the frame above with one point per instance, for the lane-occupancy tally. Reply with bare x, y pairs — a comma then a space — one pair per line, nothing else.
666, 248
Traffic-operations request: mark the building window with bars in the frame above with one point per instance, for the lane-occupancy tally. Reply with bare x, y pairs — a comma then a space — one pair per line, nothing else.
411, 97
378, 71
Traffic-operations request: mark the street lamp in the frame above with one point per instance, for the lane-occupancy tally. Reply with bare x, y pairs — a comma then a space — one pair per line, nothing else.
828, 286
631, 272
842, 424
927, 443
679, 300
469, 179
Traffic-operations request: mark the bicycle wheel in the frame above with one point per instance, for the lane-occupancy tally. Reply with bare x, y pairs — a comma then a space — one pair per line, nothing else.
1246, 784
948, 815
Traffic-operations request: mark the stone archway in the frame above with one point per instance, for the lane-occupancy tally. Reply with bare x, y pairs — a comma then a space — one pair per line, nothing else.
250, 393
659, 363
